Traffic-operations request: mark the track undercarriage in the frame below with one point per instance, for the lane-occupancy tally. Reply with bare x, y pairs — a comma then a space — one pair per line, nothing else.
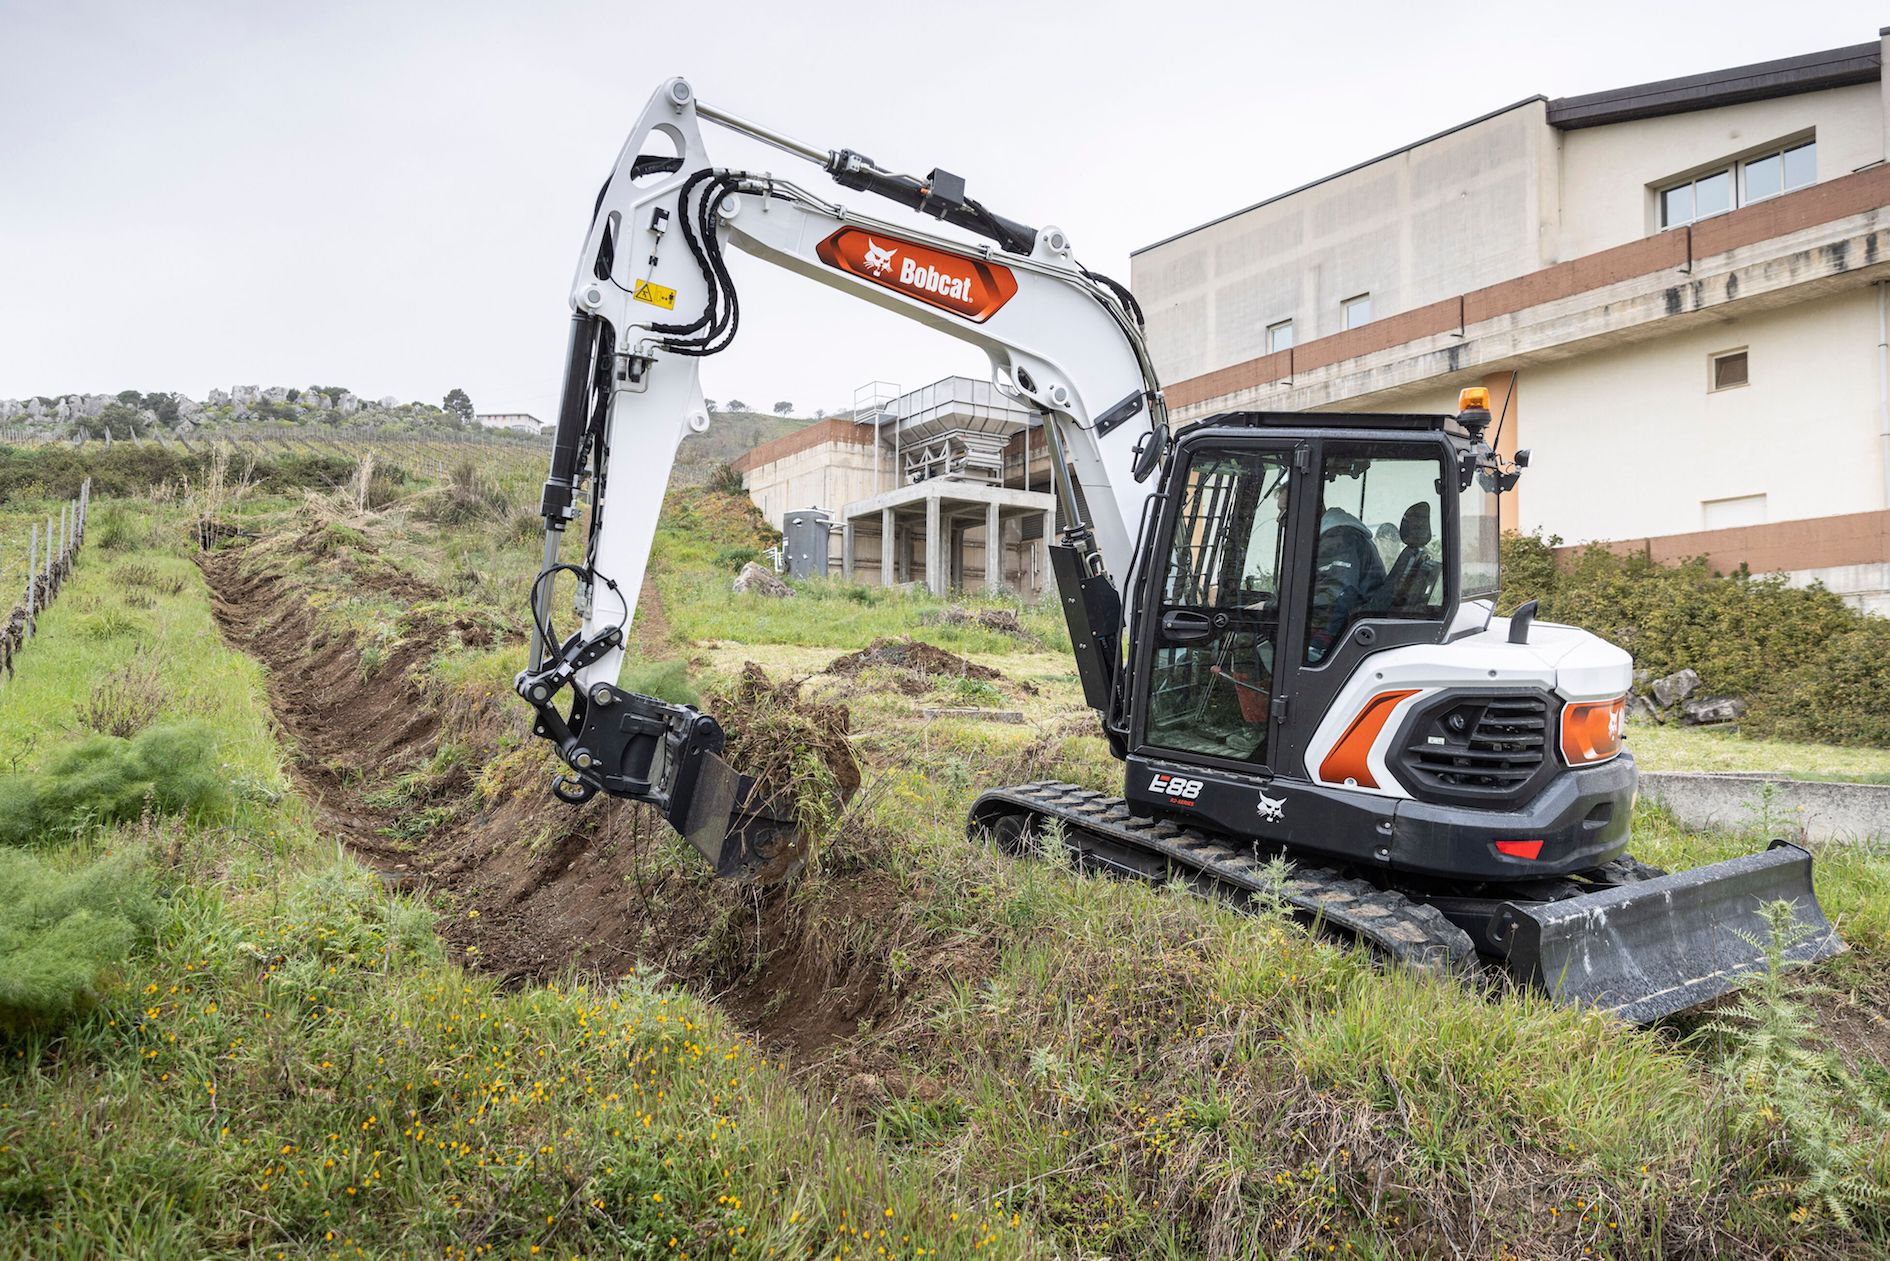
1623, 937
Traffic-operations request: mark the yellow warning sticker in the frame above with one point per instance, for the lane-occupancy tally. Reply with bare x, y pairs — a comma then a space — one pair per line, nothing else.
655, 295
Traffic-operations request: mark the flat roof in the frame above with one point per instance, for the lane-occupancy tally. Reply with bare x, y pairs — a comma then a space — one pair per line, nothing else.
1763, 80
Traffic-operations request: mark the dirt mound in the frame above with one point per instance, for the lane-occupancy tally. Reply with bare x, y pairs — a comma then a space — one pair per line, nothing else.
1003, 621
910, 654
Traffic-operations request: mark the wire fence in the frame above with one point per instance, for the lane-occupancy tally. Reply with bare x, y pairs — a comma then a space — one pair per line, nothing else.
50, 556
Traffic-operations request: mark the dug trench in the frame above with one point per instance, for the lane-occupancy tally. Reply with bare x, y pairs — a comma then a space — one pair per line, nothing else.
534, 890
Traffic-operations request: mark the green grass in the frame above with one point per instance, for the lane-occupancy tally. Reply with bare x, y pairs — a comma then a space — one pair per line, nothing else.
1119, 1070
290, 1063
1676, 748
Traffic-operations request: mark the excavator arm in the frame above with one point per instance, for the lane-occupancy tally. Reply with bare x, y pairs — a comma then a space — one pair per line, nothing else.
653, 295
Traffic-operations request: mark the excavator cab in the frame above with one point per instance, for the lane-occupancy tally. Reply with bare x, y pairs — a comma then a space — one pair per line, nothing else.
1282, 543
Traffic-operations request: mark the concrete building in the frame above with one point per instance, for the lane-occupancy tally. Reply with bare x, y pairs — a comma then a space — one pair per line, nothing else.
1676, 290
917, 485
518, 422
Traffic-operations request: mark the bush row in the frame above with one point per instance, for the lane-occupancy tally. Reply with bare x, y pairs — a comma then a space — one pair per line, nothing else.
56, 472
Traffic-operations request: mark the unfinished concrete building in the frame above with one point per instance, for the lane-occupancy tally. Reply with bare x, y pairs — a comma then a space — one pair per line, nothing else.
914, 487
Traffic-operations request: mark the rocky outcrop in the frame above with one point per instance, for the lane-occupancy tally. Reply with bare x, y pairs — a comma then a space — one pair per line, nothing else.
758, 580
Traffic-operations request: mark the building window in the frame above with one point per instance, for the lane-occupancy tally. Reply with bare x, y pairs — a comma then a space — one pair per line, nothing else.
1357, 311
1779, 171
1280, 336
1729, 370
1762, 175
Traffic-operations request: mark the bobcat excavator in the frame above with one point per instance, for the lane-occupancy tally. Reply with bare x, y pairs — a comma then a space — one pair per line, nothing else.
1286, 622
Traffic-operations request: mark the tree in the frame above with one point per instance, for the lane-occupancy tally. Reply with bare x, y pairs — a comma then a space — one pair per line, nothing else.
711, 404
458, 403
784, 408
736, 405
820, 413
164, 405
120, 420
130, 398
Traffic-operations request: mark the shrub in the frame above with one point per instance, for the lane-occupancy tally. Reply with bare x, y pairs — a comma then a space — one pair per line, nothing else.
1740, 632
170, 769
63, 934
1836, 696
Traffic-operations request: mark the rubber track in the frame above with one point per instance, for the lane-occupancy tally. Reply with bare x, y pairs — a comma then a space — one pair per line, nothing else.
1388, 921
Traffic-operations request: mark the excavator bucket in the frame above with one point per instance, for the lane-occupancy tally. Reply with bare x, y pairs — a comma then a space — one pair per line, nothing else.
744, 835
1661, 946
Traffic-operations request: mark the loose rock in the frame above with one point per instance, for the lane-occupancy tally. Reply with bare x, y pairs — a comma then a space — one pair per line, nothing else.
1676, 687
757, 580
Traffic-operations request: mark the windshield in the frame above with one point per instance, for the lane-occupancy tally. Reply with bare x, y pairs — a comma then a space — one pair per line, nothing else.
1478, 529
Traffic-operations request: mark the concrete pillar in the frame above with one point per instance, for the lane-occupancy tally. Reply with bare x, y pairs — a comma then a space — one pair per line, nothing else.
937, 574
846, 550
885, 547
993, 549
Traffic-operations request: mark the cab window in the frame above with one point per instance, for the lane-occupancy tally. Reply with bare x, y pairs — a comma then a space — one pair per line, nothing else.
1379, 542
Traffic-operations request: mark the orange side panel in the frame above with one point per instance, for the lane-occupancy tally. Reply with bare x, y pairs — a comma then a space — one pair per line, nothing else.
1351, 756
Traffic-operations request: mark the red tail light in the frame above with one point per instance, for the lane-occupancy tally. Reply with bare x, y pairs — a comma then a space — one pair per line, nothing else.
1520, 849
1591, 730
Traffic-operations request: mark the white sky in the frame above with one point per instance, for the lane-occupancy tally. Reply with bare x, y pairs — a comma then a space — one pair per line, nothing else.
390, 196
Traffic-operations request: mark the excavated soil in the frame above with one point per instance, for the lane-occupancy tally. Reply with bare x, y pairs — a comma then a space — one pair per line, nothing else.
534, 888
909, 654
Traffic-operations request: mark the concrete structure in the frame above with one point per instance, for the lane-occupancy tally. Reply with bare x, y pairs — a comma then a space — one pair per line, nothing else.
918, 485
1796, 809
1675, 290
520, 422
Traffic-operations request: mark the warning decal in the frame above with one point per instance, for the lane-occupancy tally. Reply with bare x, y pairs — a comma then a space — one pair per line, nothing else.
654, 294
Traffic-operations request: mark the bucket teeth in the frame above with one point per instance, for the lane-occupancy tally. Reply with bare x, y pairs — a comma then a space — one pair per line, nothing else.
1656, 947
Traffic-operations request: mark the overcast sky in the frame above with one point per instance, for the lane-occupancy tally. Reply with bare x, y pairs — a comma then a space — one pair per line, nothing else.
390, 196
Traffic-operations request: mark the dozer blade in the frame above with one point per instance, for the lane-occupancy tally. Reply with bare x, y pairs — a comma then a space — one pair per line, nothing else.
1661, 946
744, 835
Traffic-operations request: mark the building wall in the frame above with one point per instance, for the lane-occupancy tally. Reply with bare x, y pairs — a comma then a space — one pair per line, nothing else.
1629, 441
1608, 175
825, 475
1455, 213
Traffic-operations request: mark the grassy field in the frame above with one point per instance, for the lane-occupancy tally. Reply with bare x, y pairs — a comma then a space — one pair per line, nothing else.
540, 1032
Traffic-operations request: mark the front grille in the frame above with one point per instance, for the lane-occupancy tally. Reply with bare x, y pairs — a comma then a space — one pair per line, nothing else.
1479, 748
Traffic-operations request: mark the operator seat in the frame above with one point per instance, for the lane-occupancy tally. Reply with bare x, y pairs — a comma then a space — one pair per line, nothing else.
1414, 573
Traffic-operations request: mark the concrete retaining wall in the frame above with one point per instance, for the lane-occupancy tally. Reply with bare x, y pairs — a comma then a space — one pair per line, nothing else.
1798, 808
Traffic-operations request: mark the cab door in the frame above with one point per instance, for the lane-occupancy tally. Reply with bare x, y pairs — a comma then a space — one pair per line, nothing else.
1220, 652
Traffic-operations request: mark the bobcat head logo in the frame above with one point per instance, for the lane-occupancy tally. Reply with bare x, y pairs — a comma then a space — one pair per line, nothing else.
1272, 809
878, 257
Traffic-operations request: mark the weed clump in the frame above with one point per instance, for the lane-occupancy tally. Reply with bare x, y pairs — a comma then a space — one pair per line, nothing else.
468, 496
104, 779
797, 749
1799, 1100
65, 933
125, 701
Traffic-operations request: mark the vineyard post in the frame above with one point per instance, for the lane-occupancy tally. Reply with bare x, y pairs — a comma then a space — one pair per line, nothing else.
49, 554
32, 577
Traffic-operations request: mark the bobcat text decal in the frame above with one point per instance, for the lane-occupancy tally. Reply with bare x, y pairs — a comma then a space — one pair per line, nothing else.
965, 286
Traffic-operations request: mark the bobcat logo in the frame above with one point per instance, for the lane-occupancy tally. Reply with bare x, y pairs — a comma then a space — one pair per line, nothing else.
878, 257
1272, 809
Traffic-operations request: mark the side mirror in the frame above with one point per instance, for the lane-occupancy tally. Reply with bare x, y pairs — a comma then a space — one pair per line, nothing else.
1149, 450
1522, 458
